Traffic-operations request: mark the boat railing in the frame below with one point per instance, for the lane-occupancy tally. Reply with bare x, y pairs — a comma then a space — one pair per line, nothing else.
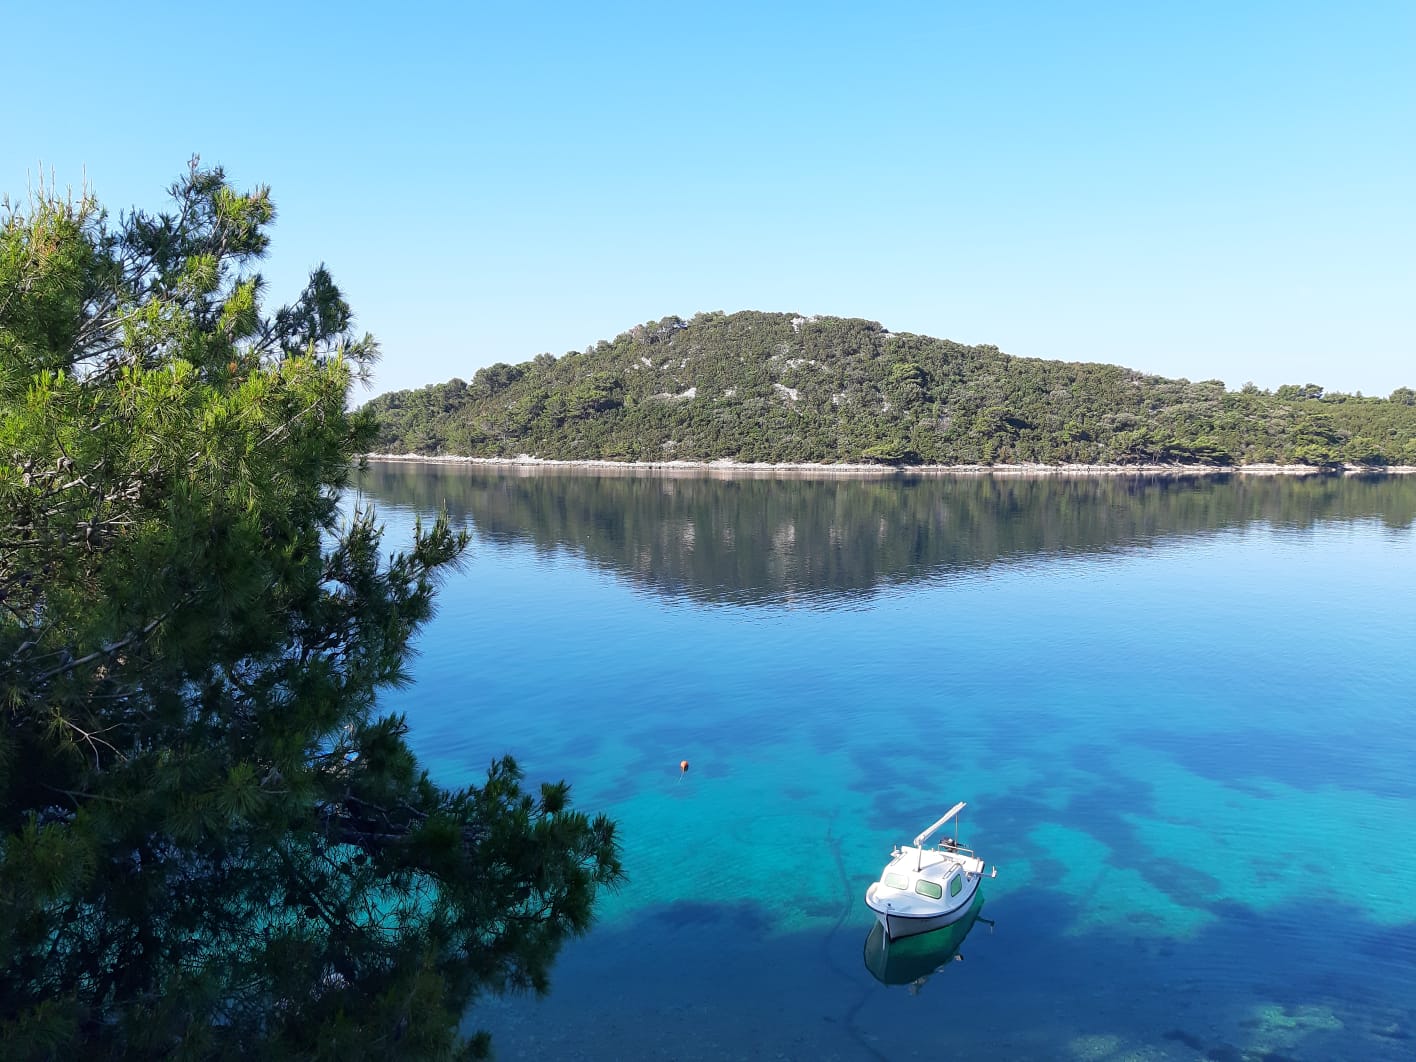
955, 849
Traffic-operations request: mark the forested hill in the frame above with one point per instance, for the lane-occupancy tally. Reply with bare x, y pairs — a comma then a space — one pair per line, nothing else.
777, 387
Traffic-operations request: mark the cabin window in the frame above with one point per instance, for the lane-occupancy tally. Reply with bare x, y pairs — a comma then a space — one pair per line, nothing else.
896, 880
928, 888
956, 884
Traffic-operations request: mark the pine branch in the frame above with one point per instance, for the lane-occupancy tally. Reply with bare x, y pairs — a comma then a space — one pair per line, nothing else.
112, 647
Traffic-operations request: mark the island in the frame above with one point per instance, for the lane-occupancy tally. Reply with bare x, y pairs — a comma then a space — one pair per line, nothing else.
782, 390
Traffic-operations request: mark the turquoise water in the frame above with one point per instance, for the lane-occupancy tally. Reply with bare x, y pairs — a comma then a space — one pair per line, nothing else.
1181, 712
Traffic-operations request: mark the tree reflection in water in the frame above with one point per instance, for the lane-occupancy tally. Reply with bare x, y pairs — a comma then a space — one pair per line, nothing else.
821, 541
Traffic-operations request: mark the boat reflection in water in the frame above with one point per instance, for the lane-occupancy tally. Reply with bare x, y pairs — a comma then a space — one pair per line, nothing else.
912, 960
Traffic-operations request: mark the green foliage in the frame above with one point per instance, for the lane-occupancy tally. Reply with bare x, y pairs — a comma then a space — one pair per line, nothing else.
893, 452
773, 387
211, 844
1316, 440
1299, 392
495, 378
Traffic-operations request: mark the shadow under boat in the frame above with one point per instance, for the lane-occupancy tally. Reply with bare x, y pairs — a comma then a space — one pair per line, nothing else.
912, 960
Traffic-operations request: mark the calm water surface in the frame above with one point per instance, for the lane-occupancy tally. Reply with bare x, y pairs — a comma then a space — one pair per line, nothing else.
1181, 712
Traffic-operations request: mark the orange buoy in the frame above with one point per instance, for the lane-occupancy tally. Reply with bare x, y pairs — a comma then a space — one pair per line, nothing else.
683, 766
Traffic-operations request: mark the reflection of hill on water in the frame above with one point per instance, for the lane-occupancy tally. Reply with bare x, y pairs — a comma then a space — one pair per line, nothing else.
760, 541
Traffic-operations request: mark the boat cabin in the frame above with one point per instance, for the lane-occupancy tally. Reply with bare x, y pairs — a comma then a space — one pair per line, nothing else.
912, 871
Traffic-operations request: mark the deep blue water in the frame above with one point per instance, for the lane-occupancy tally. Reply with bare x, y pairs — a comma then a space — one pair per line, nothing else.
1181, 712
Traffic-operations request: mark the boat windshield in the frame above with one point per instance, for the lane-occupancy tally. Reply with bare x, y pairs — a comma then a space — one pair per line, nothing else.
896, 880
929, 888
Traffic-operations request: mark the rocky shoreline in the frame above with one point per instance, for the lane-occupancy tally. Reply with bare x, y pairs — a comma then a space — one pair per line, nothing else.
729, 467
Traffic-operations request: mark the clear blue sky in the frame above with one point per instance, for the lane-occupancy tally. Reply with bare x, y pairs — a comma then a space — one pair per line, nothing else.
1205, 189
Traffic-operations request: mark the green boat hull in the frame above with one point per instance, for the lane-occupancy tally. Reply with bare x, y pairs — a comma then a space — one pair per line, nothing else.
907, 959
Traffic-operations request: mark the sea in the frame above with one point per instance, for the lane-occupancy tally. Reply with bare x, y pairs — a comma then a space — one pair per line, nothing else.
1180, 709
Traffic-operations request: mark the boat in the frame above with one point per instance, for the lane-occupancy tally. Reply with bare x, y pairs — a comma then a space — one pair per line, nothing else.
912, 960
922, 888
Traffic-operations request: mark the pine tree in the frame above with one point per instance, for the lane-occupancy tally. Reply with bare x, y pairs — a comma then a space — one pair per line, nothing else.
211, 842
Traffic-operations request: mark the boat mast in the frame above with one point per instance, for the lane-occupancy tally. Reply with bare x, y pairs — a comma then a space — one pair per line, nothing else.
919, 841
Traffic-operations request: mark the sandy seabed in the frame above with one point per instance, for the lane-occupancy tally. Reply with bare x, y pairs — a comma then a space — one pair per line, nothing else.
727, 467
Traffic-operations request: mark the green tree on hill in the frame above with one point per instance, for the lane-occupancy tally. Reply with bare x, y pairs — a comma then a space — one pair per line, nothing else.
211, 843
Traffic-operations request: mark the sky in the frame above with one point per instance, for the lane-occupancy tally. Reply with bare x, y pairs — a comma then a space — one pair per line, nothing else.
1209, 190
